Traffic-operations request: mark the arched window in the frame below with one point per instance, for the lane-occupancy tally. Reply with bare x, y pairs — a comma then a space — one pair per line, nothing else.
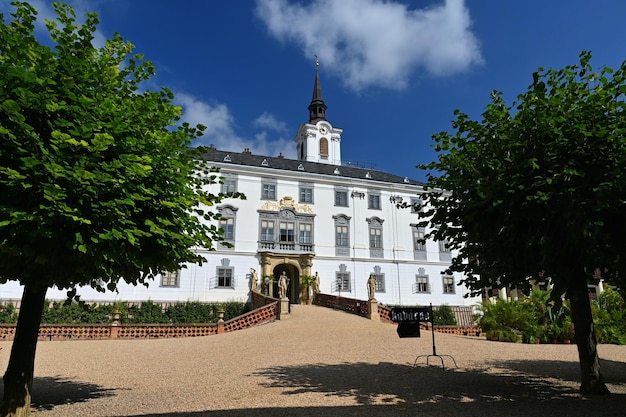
324, 148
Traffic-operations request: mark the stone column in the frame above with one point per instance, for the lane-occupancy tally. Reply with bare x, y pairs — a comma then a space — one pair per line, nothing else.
283, 309
372, 310
503, 294
600, 287
220, 322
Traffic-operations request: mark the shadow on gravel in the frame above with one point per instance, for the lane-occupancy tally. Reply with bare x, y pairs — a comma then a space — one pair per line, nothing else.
511, 388
49, 392
613, 372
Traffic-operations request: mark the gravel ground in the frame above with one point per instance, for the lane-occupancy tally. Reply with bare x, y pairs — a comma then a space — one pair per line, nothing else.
320, 362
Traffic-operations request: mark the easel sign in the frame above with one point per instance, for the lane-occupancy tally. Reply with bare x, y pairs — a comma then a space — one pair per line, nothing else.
408, 319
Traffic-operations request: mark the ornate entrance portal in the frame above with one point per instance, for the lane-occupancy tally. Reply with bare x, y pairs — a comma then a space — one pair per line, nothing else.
273, 265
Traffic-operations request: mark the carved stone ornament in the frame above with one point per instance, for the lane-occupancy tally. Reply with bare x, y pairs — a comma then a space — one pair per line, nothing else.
287, 202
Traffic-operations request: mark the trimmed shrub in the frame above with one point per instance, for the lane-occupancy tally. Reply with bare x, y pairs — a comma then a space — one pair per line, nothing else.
147, 312
444, 316
192, 312
75, 312
8, 315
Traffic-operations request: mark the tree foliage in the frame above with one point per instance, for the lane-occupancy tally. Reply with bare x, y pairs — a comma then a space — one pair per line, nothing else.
99, 180
538, 188
534, 186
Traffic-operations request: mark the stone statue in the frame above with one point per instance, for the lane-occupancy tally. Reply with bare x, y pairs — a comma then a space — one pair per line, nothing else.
371, 288
253, 279
283, 281
316, 284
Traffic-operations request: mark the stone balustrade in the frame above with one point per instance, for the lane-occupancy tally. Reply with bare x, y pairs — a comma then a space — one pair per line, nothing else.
260, 315
266, 310
463, 314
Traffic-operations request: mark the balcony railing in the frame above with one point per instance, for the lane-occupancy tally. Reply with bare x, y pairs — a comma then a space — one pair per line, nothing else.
286, 247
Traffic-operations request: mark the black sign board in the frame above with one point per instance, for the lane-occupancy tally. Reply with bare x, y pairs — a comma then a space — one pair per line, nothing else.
411, 314
408, 329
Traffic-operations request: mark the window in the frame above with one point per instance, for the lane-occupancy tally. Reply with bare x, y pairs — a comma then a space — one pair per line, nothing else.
419, 244
306, 233
286, 229
343, 281
269, 192
287, 232
341, 236
306, 193
228, 226
324, 148
418, 239
229, 185
444, 251
170, 278
374, 201
341, 198
421, 282
268, 189
448, 284
416, 205
225, 277
376, 237
267, 230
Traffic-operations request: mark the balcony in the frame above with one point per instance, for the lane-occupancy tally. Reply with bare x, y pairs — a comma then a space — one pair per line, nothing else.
286, 247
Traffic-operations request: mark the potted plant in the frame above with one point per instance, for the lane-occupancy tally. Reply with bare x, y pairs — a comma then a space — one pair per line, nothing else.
553, 332
567, 330
531, 333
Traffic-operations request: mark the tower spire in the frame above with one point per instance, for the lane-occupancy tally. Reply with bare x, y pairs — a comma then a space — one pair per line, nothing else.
317, 108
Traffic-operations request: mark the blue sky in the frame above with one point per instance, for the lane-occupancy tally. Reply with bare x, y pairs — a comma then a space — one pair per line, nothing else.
392, 72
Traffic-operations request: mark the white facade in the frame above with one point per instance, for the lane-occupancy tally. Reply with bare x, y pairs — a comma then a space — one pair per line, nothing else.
307, 216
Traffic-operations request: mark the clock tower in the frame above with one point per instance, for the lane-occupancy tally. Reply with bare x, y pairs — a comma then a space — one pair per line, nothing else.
318, 140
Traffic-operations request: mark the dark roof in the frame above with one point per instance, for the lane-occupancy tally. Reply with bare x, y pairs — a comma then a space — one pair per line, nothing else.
284, 164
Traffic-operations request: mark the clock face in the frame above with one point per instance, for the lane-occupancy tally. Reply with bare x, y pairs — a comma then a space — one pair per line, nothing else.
323, 129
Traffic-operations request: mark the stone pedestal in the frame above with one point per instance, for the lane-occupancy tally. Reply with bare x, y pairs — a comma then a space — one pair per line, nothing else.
372, 310
283, 309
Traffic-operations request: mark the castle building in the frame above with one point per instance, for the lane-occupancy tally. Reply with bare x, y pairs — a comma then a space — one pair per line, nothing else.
314, 215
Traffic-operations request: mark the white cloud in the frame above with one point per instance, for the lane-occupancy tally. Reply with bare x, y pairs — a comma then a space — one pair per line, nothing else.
375, 42
269, 122
221, 132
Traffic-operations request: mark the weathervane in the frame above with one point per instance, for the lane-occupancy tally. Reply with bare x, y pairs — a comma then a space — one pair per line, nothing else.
317, 61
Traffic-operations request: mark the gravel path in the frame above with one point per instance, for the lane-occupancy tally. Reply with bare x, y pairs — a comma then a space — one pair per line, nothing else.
320, 362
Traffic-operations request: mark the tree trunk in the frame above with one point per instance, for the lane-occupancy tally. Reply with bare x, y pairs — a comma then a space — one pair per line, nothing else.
590, 375
18, 378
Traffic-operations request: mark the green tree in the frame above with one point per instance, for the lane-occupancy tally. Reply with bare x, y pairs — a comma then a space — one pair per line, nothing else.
99, 184
538, 188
